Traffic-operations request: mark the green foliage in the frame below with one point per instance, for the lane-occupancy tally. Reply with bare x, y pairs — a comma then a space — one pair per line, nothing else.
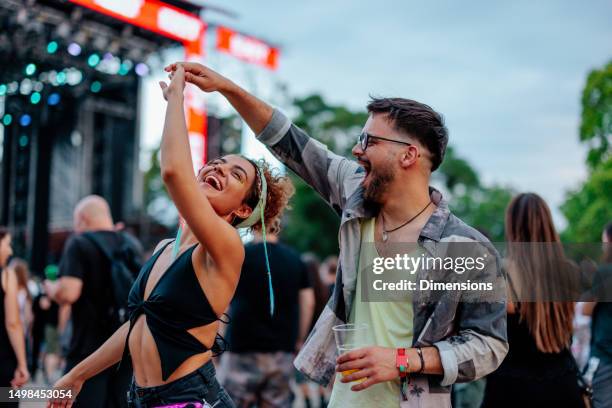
588, 208
596, 124
484, 208
458, 172
312, 225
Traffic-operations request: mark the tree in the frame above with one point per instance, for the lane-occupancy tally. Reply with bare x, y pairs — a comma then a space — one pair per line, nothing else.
482, 207
596, 124
587, 208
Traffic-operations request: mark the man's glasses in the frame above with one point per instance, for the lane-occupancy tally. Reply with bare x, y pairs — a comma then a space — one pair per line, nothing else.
365, 137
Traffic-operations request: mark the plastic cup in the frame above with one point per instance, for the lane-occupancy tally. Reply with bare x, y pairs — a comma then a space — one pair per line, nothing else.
350, 337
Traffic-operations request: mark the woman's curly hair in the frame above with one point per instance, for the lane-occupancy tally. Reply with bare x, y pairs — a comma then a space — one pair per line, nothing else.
280, 190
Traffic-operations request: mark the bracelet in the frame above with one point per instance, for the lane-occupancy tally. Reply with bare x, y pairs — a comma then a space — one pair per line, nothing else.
420, 353
401, 362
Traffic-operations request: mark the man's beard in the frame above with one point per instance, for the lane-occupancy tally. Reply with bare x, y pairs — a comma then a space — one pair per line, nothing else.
379, 182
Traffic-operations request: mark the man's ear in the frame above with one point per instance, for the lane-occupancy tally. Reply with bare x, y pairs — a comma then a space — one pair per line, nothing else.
409, 156
243, 212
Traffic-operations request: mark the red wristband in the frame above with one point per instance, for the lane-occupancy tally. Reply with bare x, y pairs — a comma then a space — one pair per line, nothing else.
401, 362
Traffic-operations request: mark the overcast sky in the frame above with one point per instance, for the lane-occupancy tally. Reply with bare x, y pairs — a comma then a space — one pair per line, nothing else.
507, 76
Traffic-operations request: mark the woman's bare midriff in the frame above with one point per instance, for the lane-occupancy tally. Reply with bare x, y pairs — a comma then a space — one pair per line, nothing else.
146, 360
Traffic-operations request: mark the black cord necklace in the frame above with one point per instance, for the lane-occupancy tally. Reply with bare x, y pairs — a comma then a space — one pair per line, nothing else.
385, 233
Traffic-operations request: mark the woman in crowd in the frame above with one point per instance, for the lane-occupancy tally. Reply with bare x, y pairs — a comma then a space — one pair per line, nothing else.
13, 363
539, 370
179, 298
24, 297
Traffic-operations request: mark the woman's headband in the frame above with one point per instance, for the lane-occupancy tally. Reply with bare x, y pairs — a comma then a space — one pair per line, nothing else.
258, 211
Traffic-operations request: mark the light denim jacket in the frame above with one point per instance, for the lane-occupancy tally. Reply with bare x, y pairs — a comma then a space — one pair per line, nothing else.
470, 337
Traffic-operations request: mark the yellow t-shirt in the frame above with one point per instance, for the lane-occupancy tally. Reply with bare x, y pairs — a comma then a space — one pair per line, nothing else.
389, 325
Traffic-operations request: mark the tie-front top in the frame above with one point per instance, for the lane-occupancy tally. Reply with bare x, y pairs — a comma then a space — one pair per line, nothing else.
175, 305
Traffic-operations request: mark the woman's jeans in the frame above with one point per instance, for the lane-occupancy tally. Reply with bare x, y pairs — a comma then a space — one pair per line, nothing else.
201, 386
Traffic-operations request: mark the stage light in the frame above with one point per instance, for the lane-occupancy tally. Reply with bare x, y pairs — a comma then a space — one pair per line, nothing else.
35, 98
24, 140
141, 69
95, 87
25, 120
12, 87
93, 60
3, 89
74, 49
125, 67
30, 69
26, 86
38, 86
61, 78
74, 76
52, 47
53, 99
53, 78
7, 119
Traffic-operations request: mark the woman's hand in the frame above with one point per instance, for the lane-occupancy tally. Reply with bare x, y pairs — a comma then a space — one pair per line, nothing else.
22, 375
203, 77
177, 84
71, 383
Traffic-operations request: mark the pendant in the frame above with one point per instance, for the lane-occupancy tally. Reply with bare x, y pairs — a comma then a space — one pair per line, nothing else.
385, 236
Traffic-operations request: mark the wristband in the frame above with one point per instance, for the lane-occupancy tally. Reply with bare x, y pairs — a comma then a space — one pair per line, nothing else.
401, 362
420, 353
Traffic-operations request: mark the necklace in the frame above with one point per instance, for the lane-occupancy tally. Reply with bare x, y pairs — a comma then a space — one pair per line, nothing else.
385, 233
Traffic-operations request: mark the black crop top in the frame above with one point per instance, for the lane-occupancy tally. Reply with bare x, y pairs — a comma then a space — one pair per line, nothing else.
175, 305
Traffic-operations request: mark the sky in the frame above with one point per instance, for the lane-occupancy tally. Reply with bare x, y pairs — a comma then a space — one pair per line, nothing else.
507, 76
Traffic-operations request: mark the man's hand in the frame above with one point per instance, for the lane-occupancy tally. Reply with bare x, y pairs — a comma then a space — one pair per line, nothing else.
203, 77
67, 382
50, 288
375, 365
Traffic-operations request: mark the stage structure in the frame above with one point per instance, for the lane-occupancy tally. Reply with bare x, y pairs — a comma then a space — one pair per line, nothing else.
69, 87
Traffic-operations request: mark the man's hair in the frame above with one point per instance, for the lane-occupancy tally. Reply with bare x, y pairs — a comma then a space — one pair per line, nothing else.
417, 120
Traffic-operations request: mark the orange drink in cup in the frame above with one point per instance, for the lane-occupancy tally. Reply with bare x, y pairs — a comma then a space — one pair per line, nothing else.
350, 337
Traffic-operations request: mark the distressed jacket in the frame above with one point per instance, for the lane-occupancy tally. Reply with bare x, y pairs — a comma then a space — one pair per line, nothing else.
470, 337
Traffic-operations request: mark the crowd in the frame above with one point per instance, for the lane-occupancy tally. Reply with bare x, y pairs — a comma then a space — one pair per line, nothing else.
207, 321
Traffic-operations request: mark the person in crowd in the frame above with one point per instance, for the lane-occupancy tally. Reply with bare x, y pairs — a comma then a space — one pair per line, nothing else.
45, 313
85, 285
321, 295
13, 361
179, 297
601, 326
383, 198
258, 366
328, 273
23, 295
539, 370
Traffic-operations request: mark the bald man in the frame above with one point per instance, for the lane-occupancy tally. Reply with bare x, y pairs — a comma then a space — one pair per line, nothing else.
85, 284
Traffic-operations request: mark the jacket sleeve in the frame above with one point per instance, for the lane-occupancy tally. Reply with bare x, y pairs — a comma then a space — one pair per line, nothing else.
332, 176
479, 343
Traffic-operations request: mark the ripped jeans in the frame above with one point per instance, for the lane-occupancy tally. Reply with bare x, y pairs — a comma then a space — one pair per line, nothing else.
199, 388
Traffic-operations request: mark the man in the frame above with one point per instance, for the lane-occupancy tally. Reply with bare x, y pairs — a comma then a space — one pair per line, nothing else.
386, 192
258, 367
85, 284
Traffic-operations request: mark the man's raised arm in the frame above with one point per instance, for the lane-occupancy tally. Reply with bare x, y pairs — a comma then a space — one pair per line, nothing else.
332, 176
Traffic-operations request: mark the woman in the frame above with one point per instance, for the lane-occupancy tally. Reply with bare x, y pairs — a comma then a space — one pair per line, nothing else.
23, 295
13, 363
182, 291
539, 370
